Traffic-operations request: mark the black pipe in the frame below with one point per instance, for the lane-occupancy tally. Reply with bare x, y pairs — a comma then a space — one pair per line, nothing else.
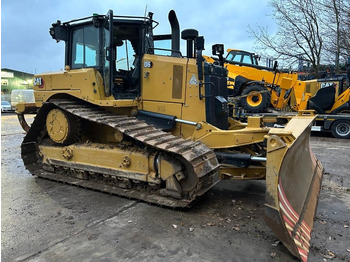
189, 35
348, 70
239, 159
164, 122
175, 34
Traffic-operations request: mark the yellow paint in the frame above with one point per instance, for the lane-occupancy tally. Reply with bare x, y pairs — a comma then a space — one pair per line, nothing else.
254, 99
235, 173
285, 81
85, 84
57, 125
161, 93
304, 90
341, 99
217, 138
157, 91
105, 156
157, 81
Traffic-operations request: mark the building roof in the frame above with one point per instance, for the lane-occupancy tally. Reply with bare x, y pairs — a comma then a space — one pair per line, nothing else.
16, 72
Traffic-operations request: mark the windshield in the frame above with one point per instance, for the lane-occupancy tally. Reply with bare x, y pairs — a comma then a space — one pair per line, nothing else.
85, 47
241, 57
5, 103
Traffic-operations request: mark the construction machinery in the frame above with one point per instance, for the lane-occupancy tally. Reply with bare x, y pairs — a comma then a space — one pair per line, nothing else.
254, 87
257, 89
330, 98
325, 96
123, 119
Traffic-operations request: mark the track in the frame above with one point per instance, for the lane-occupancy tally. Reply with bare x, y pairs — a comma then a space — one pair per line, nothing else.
198, 159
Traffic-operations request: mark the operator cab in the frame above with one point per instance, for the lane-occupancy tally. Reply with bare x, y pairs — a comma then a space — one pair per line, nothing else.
239, 56
113, 45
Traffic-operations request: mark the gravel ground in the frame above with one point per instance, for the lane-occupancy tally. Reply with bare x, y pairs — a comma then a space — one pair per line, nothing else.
47, 221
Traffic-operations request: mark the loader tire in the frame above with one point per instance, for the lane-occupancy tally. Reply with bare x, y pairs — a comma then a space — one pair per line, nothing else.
341, 129
255, 99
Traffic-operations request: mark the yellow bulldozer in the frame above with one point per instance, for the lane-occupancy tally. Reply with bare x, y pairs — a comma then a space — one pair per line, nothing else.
132, 119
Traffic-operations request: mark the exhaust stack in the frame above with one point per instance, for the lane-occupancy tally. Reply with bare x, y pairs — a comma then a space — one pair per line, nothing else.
175, 34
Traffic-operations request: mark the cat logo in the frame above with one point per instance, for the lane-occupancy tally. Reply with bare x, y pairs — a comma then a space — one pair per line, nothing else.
39, 82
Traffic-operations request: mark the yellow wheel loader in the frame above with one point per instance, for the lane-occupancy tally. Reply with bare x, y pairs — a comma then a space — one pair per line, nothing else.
133, 119
254, 87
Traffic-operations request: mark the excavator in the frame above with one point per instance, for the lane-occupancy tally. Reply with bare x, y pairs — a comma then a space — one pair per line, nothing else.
132, 118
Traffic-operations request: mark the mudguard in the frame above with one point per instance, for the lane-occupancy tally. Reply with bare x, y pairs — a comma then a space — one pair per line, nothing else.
293, 182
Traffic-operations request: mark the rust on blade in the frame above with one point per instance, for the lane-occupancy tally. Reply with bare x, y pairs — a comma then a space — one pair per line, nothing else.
293, 182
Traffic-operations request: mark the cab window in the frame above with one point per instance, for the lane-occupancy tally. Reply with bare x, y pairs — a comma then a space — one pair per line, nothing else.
125, 55
235, 57
85, 47
247, 59
240, 57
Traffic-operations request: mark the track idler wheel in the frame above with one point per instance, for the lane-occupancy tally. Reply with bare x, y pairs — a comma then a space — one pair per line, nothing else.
61, 127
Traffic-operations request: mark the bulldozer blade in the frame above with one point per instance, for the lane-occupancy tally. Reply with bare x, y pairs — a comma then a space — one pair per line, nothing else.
293, 182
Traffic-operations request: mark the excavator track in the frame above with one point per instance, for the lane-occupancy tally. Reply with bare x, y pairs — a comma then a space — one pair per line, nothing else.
197, 158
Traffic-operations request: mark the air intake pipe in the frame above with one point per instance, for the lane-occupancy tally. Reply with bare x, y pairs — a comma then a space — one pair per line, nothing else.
175, 34
189, 35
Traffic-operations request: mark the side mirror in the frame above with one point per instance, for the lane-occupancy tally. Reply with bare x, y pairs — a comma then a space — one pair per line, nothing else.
218, 50
59, 31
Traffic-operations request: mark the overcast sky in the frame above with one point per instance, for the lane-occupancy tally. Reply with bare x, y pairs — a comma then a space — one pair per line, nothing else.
27, 46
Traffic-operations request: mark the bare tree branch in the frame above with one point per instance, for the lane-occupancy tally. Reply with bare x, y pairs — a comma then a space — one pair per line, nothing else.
299, 31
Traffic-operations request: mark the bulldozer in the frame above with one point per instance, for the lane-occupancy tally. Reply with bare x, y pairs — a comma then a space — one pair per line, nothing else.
132, 119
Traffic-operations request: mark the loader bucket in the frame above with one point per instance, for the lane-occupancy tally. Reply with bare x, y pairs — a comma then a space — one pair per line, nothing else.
293, 181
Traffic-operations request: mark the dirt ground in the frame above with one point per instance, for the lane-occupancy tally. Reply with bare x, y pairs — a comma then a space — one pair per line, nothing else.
48, 221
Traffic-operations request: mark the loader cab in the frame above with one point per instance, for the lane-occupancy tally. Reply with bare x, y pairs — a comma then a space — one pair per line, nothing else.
113, 45
242, 57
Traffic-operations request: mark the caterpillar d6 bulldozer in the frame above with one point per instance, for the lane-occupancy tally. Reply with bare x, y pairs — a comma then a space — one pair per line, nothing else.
145, 122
